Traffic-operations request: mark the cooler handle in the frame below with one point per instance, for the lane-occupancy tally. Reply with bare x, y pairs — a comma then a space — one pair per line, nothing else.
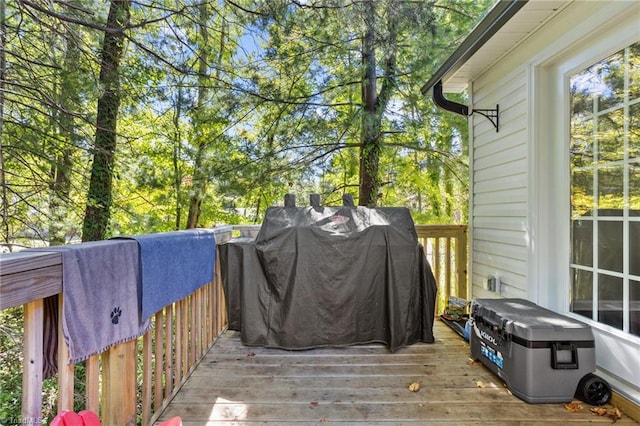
562, 364
498, 326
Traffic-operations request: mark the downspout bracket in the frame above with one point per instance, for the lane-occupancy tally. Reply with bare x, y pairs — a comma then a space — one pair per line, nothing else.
491, 114
460, 109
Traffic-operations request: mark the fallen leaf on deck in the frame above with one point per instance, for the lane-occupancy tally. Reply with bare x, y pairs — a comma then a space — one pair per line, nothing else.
314, 403
615, 414
574, 407
250, 354
414, 387
480, 384
324, 420
599, 411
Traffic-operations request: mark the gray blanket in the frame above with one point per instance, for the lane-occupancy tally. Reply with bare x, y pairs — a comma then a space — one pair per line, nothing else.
101, 303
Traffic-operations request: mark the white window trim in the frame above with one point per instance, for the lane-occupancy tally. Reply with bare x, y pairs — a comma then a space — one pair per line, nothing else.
548, 170
612, 29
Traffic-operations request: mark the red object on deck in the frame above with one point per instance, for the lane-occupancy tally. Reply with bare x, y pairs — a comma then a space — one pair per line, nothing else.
89, 418
69, 418
173, 421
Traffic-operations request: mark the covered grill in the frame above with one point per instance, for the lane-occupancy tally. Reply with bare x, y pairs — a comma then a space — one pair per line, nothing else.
330, 276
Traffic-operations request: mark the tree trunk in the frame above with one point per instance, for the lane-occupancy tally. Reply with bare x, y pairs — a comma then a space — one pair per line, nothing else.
199, 187
370, 136
177, 153
200, 177
61, 169
374, 104
99, 197
3, 66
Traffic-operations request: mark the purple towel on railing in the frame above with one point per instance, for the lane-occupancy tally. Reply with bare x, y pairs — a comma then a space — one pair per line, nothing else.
100, 288
174, 265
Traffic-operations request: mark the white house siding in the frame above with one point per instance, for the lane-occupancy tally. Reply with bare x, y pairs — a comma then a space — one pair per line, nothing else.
499, 176
517, 175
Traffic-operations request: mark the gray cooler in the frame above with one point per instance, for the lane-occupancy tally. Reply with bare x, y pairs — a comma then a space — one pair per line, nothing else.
542, 356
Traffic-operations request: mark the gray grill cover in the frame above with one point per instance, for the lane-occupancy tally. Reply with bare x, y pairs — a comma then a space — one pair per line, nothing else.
335, 276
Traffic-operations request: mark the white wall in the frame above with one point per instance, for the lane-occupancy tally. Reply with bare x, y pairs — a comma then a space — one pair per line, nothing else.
519, 175
499, 179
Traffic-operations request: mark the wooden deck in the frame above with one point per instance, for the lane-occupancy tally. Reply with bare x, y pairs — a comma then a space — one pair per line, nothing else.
236, 385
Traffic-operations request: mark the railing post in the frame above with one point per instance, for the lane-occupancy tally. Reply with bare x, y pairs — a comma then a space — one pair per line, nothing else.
92, 370
184, 345
65, 370
147, 377
119, 384
168, 360
32, 373
461, 264
157, 385
449, 286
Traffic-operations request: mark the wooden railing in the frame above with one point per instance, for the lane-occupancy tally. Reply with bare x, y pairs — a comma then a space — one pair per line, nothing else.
182, 332
163, 358
446, 249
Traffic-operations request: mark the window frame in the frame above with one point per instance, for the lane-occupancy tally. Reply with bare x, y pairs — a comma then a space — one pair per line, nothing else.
595, 268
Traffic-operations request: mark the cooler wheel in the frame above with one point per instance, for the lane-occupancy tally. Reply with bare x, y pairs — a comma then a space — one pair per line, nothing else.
594, 390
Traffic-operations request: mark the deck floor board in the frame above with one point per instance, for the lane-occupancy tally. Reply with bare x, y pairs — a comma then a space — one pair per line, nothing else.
361, 385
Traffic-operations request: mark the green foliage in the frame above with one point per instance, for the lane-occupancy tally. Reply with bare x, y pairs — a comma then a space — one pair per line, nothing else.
11, 347
275, 108
10, 356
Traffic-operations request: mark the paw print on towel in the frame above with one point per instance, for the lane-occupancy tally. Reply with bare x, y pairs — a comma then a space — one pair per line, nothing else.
115, 315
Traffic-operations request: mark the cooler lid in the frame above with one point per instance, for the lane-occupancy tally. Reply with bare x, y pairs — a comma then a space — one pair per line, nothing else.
525, 319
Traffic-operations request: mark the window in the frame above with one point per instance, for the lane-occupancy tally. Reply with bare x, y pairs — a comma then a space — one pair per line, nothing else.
605, 191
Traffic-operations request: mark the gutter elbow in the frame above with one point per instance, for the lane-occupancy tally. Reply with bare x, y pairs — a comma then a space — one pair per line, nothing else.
444, 103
